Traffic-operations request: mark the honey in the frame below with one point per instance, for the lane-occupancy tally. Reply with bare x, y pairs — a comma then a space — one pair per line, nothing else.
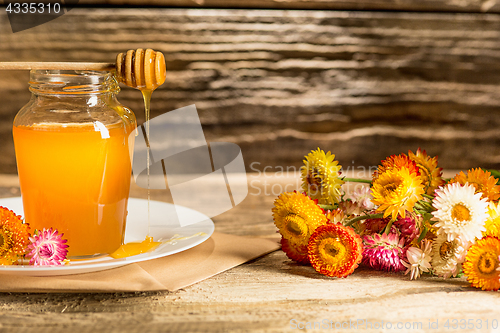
135, 248
147, 245
74, 179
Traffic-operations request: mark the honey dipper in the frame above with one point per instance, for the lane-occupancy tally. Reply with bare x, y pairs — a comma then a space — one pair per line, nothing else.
141, 69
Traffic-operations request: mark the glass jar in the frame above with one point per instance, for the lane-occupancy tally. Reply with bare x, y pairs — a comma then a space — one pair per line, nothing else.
74, 145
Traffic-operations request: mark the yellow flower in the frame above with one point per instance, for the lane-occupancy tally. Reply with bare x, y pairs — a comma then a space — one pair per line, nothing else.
429, 172
320, 177
14, 237
397, 191
297, 216
482, 265
483, 182
493, 221
335, 250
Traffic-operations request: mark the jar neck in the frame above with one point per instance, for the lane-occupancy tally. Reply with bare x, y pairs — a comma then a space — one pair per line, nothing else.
72, 84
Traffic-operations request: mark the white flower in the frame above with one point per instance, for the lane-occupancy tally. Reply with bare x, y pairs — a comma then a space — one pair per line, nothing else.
418, 260
362, 197
448, 256
460, 212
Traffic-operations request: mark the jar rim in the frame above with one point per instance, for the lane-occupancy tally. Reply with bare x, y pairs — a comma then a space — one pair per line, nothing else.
72, 82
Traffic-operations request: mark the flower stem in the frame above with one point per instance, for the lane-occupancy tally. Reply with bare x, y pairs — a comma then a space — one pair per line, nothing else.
423, 205
388, 226
357, 180
363, 217
431, 197
328, 207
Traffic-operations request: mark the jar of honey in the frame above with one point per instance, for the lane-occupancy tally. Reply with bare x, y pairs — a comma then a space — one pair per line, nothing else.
74, 144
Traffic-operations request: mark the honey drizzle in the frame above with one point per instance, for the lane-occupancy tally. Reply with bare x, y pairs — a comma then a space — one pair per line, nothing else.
146, 94
144, 70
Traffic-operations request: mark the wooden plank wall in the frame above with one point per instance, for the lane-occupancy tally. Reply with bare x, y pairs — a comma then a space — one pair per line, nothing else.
363, 79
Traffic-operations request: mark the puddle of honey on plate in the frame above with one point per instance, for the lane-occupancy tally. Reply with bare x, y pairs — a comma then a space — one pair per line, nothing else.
135, 248
147, 245
146, 71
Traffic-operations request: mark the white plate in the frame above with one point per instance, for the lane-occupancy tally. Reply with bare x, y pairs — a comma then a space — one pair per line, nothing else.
162, 228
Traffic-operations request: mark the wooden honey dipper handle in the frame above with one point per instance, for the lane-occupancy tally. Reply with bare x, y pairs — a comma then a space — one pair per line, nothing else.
84, 66
142, 69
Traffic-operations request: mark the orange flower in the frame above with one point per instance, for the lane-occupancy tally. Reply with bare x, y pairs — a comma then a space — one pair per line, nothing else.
430, 174
335, 250
397, 162
483, 182
14, 237
482, 265
336, 215
295, 252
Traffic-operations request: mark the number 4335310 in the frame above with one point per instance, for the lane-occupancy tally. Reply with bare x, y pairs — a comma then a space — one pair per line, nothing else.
33, 8
470, 324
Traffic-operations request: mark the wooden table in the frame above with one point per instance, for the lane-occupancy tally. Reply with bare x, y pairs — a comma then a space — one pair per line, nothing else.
269, 294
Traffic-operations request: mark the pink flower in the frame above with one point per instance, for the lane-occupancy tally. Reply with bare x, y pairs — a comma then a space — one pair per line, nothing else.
418, 259
384, 251
47, 248
406, 227
362, 197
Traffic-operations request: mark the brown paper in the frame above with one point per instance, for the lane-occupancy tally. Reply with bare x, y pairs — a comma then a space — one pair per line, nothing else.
217, 254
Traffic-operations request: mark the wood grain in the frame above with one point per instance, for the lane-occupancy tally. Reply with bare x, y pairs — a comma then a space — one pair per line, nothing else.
280, 83
397, 5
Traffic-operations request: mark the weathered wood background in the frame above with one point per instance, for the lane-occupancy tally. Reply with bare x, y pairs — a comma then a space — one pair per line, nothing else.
361, 78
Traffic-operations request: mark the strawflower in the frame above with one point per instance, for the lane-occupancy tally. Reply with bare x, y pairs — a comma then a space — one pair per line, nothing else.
418, 260
383, 251
335, 250
362, 197
482, 264
460, 212
407, 227
47, 248
431, 175
483, 182
14, 237
320, 177
335, 215
297, 216
447, 256
295, 252
350, 208
397, 191
375, 226
492, 224
396, 162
